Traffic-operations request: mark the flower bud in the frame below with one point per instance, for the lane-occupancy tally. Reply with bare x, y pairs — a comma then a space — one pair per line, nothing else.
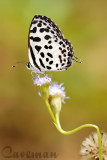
56, 96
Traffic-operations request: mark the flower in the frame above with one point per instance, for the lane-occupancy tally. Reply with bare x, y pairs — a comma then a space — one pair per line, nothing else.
39, 81
56, 96
55, 89
43, 84
90, 147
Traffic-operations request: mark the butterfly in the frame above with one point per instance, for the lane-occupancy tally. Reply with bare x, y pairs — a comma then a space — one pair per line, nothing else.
48, 49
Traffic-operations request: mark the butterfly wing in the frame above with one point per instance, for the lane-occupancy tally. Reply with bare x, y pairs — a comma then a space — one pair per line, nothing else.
47, 47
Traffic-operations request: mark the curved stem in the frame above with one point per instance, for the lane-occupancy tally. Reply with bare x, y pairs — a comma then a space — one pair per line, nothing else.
58, 126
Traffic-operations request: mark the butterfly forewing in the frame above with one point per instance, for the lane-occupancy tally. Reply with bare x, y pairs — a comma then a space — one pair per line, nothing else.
48, 49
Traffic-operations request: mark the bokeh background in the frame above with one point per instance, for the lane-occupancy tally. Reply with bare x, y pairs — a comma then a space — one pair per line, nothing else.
25, 123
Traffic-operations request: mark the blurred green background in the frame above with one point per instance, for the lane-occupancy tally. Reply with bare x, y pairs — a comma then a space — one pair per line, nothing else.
25, 123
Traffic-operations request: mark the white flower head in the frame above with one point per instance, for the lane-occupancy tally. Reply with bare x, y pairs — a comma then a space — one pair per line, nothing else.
90, 148
43, 85
39, 81
55, 89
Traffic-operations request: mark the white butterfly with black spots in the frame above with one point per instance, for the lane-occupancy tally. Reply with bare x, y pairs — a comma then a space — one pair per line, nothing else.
48, 49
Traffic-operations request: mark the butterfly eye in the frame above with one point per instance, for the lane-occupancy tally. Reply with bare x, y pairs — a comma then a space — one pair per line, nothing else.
28, 65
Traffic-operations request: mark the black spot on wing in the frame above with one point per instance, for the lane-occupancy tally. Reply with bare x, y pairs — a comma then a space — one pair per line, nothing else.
38, 48
47, 59
35, 39
41, 62
66, 41
50, 55
68, 48
56, 40
60, 58
42, 30
64, 59
63, 51
69, 54
46, 47
57, 65
48, 67
47, 37
39, 25
33, 30
46, 29
50, 47
51, 62
34, 58
60, 42
52, 32
63, 64
42, 54
60, 48
49, 42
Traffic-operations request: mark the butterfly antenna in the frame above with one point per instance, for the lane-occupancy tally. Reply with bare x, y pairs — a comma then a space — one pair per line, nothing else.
19, 63
76, 59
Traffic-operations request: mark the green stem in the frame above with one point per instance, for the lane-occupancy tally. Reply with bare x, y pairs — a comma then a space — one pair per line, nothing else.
58, 126
50, 111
